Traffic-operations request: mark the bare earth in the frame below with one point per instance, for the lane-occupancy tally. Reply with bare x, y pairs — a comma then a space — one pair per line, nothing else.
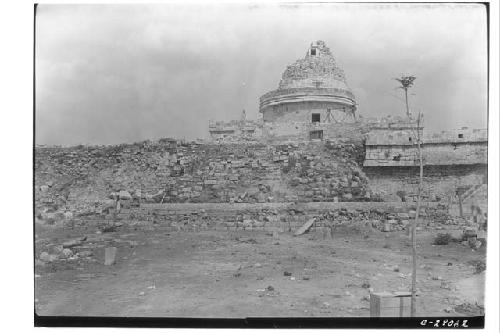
238, 274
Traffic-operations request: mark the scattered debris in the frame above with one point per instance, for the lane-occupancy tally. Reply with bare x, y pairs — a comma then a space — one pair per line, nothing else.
470, 309
44, 256
305, 228
66, 253
475, 244
74, 242
443, 239
85, 254
109, 228
247, 240
479, 266
445, 285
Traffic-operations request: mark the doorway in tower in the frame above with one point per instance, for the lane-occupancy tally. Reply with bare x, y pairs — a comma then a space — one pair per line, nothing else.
316, 135
316, 117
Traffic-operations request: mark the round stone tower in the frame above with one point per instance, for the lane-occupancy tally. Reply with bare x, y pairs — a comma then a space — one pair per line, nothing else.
311, 90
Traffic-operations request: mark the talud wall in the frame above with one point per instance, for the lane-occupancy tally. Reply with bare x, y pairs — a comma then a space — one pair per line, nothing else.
285, 217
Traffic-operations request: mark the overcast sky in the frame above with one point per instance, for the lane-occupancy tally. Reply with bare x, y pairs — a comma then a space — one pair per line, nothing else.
125, 73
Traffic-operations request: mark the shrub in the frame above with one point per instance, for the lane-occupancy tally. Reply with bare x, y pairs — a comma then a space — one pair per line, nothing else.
443, 239
479, 266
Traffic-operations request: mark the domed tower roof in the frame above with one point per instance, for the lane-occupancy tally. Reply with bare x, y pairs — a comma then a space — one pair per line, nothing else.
316, 77
317, 69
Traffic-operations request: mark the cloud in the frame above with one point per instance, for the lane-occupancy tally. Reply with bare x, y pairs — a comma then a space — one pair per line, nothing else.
124, 73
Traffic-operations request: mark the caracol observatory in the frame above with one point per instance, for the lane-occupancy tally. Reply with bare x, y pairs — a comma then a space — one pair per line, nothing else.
312, 89
312, 102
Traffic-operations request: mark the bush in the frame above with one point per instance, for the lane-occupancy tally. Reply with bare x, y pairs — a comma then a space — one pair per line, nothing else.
443, 239
479, 266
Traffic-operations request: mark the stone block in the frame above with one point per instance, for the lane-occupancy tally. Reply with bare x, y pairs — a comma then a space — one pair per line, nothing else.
110, 256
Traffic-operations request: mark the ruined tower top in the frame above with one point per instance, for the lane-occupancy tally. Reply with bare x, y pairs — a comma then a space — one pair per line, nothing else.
318, 69
313, 81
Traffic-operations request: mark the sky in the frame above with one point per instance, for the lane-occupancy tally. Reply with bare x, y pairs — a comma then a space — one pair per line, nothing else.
108, 74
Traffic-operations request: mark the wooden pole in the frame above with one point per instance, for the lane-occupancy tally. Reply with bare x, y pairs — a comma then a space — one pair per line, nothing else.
414, 227
406, 101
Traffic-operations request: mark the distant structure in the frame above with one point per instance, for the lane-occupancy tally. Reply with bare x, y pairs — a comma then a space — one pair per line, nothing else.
234, 130
312, 102
392, 145
312, 94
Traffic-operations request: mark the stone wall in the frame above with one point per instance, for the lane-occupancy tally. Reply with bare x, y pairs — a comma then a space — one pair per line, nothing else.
235, 131
396, 146
301, 131
284, 217
84, 179
440, 182
302, 112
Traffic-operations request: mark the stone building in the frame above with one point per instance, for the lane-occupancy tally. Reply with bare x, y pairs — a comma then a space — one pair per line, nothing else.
235, 130
312, 97
452, 160
312, 102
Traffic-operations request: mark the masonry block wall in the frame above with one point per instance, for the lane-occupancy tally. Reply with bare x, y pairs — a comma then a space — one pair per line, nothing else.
82, 178
301, 131
302, 112
284, 217
442, 153
440, 181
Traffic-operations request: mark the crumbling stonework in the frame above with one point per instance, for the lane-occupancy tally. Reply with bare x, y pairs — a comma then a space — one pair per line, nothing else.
83, 179
284, 217
235, 131
310, 146
312, 90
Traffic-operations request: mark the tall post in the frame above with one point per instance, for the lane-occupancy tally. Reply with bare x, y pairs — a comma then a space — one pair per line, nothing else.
414, 226
406, 101
406, 82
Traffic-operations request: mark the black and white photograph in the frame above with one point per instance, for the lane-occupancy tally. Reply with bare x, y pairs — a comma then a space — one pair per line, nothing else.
276, 164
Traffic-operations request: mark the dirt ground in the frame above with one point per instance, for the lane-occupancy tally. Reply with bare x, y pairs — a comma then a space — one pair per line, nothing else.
161, 273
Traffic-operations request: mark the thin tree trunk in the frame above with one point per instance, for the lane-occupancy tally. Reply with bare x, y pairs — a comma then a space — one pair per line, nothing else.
414, 227
407, 107
461, 210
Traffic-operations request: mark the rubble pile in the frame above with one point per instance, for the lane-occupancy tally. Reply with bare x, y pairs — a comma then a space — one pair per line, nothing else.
84, 180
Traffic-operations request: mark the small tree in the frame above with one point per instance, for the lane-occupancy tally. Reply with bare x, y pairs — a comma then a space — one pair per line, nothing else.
406, 83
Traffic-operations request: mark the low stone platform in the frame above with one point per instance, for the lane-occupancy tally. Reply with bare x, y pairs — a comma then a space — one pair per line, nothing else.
286, 217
